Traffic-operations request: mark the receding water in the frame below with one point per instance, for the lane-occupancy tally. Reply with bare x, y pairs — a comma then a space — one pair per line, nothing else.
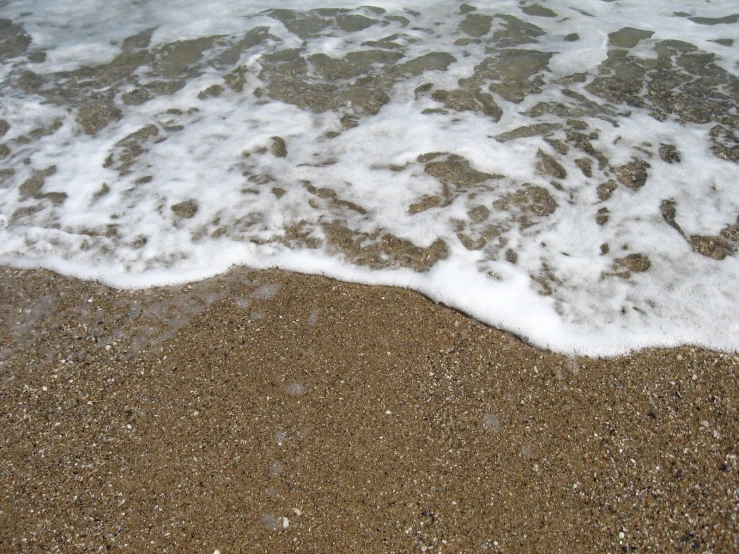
565, 170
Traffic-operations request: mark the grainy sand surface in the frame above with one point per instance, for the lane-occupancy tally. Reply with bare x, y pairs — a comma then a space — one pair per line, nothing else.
275, 412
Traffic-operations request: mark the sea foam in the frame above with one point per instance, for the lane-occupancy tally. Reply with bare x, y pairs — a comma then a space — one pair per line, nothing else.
563, 170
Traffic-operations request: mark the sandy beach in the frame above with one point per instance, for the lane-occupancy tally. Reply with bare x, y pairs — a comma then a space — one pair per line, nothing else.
565, 169
275, 412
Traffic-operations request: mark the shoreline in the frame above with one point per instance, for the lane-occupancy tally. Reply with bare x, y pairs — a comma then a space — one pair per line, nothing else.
267, 411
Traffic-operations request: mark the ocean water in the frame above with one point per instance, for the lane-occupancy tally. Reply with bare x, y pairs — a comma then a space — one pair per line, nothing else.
563, 170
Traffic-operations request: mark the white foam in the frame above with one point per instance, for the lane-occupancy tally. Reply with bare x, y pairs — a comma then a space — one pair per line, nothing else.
682, 298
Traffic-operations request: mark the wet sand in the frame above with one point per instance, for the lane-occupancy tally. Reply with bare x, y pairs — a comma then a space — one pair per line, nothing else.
275, 412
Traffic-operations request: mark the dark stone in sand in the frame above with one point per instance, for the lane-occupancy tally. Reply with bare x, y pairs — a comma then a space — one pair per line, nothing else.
669, 153
135, 97
717, 248
516, 32
731, 232
557, 144
422, 90
628, 37
428, 156
512, 72
36, 57
632, 175
528, 199
727, 20
251, 39
138, 41
29, 82
585, 165
404, 21
375, 9
279, 148
97, 116
476, 24
383, 251
725, 143
578, 106
212, 91
14, 41
538, 11
425, 204
185, 209
469, 100
20, 214
435, 61
550, 166
577, 124
530, 131
635, 262
354, 22
305, 26
605, 190
456, 170
165, 87
668, 208
131, 147
582, 142
56, 198
478, 214
236, 79
367, 97
32, 186
176, 58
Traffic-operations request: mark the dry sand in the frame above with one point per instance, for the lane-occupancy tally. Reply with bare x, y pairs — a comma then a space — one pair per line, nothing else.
275, 412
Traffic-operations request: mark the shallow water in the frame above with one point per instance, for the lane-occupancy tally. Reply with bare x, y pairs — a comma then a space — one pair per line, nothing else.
566, 171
